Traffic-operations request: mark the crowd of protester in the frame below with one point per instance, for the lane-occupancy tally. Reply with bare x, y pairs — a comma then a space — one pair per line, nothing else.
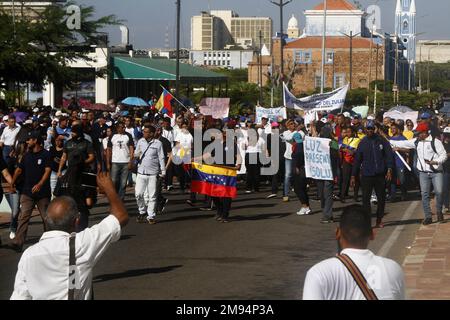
49, 152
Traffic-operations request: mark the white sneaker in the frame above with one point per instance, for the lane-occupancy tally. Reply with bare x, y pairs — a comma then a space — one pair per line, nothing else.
373, 198
270, 196
307, 210
12, 235
301, 212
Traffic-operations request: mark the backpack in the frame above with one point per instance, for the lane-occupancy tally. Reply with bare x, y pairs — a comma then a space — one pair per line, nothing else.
433, 146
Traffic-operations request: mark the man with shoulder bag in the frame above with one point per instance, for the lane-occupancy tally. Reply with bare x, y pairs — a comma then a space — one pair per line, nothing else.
151, 167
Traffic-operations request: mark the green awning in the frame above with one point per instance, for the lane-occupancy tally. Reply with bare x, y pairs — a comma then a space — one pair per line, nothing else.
143, 68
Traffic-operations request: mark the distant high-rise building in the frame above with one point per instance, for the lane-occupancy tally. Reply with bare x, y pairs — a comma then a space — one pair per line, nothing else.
220, 29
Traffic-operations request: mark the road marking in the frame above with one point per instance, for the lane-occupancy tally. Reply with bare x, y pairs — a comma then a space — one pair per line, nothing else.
384, 250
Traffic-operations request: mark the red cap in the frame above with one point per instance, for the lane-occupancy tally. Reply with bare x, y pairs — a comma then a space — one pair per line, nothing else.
331, 116
422, 127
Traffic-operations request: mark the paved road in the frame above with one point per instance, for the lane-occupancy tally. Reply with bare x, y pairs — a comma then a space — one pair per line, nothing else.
263, 253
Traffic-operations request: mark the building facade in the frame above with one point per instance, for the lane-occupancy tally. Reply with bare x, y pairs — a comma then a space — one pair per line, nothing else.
222, 29
231, 59
437, 51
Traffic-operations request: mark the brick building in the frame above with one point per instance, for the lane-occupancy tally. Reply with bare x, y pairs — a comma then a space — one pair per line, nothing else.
373, 56
305, 55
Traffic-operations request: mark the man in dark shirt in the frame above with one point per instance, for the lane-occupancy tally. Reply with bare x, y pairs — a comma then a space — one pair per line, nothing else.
79, 153
167, 149
375, 159
35, 169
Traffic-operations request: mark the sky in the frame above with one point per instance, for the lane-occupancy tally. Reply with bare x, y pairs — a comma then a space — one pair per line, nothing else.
150, 20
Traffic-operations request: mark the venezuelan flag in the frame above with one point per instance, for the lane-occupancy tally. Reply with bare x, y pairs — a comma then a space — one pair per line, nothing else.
164, 104
214, 181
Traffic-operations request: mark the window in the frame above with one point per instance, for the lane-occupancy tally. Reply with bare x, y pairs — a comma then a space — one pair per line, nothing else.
205, 62
228, 63
405, 27
302, 57
317, 81
339, 80
329, 58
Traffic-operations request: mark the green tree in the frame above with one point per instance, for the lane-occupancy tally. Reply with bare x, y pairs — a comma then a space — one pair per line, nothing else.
39, 47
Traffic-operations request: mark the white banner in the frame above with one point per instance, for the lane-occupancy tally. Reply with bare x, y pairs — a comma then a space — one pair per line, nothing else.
218, 108
319, 102
317, 158
270, 113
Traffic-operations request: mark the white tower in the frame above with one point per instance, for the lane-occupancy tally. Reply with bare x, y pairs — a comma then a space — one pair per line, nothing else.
293, 29
405, 29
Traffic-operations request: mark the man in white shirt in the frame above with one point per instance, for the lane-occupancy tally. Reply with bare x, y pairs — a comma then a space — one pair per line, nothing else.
8, 137
151, 164
44, 272
431, 156
331, 280
120, 155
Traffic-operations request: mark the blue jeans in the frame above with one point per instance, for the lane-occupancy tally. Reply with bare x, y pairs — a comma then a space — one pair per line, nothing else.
5, 152
14, 203
119, 176
446, 190
426, 179
400, 175
287, 176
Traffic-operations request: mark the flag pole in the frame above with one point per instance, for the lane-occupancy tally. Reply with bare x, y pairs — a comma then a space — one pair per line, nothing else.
175, 98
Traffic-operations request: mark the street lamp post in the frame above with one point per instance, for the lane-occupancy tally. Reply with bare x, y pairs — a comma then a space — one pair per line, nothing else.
281, 4
177, 85
351, 36
324, 35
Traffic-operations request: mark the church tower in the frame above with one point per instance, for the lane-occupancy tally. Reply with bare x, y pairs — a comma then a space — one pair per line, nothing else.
293, 29
405, 29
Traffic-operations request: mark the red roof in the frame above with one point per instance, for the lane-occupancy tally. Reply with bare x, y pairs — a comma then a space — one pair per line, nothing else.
336, 5
331, 42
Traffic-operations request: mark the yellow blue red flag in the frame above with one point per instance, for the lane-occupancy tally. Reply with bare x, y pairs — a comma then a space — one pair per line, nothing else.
214, 181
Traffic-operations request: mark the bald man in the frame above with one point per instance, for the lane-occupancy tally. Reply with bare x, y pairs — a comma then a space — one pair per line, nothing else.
60, 265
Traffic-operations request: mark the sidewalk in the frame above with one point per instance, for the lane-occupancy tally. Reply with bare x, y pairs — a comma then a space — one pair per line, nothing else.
427, 265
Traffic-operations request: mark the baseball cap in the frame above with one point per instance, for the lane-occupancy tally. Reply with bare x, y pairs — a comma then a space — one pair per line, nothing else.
370, 117
370, 124
5, 118
447, 130
29, 121
58, 114
36, 110
324, 120
347, 114
425, 115
275, 125
357, 116
331, 116
423, 127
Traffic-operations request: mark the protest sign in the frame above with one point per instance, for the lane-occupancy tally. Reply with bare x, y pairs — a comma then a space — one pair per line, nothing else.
319, 102
270, 113
317, 158
218, 108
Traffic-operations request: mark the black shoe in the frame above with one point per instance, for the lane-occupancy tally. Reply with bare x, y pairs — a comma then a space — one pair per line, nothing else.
440, 218
327, 220
427, 221
190, 202
140, 218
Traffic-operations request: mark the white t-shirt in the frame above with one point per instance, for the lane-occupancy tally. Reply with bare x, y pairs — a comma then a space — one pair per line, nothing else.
286, 136
44, 267
131, 132
120, 144
330, 279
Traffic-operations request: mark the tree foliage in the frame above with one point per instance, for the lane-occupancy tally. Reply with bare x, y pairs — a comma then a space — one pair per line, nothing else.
38, 47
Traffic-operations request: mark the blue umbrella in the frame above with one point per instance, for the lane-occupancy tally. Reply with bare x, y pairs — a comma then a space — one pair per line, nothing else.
134, 101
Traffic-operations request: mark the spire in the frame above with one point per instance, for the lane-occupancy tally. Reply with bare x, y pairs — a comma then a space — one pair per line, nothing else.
398, 9
413, 7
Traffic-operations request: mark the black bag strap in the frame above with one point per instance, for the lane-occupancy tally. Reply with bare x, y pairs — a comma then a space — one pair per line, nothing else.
357, 275
143, 155
72, 266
